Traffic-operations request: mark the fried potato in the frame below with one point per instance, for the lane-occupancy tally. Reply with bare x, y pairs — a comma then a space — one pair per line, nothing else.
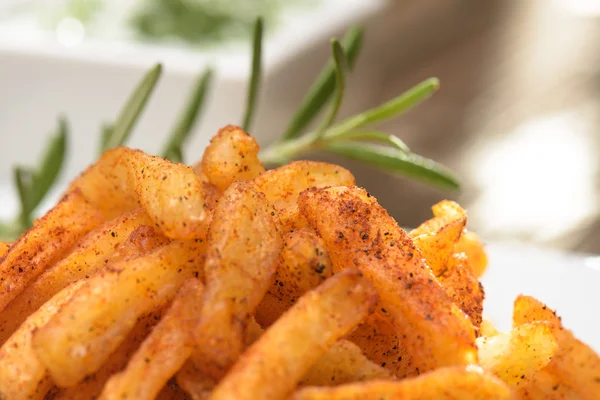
243, 251
487, 328
211, 192
4, 246
91, 253
283, 185
275, 363
22, 374
45, 243
304, 265
461, 283
359, 232
163, 352
465, 383
344, 362
516, 356
232, 155
92, 384
575, 367
378, 340
171, 194
86, 330
172, 391
470, 244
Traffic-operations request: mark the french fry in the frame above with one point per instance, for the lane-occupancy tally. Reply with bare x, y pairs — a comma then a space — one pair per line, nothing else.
487, 328
344, 362
45, 243
211, 192
464, 382
193, 382
232, 155
92, 253
574, 369
163, 352
86, 330
283, 185
359, 232
516, 356
171, 194
304, 265
92, 384
22, 374
172, 391
4, 247
287, 350
242, 254
470, 244
461, 283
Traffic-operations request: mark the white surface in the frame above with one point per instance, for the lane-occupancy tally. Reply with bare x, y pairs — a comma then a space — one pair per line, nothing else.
565, 282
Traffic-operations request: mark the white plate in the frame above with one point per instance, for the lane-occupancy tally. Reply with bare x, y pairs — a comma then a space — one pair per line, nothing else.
566, 282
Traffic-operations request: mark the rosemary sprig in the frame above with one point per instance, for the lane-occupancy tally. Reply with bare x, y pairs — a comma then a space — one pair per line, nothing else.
355, 137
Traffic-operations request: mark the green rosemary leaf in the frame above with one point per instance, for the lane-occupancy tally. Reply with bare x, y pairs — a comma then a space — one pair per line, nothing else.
255, 75
397, 161
392, 108
132, 109
375, 136
51, 164
341, 66
24, 181
322, 89
173, 149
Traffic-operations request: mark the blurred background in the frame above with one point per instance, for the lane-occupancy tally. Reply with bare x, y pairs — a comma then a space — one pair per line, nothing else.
517, 116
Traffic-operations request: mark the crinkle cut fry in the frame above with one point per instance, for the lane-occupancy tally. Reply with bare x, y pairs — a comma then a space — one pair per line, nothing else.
359, 232
171, 193
45, 243
273, 366
79, 338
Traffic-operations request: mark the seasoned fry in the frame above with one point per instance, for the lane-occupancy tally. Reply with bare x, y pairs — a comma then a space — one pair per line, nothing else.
91, 386
171, 194
4, 246
242, 255
163, 352
28, 257
516, 356
80, 337
487, 328
287, 350
193, 382
575, 366
283, 185
470, 244
304, 265
22, 375
92, 253
232, 155
460, 282
359, 232
465, 383
343, 363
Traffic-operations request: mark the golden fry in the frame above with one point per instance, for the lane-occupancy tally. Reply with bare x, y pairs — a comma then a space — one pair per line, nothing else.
272, 367
359, 232
171, 194
575, 366
451, 383
304, 265
45, 243
516, 356
22, 374
4, 247
242, 255
80, 337
283, 185
470, 244
344, 363
232, 155
163, 352
91, 386
487, 328
91, 253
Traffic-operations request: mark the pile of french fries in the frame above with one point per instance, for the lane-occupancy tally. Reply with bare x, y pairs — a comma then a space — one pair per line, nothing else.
152, 279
